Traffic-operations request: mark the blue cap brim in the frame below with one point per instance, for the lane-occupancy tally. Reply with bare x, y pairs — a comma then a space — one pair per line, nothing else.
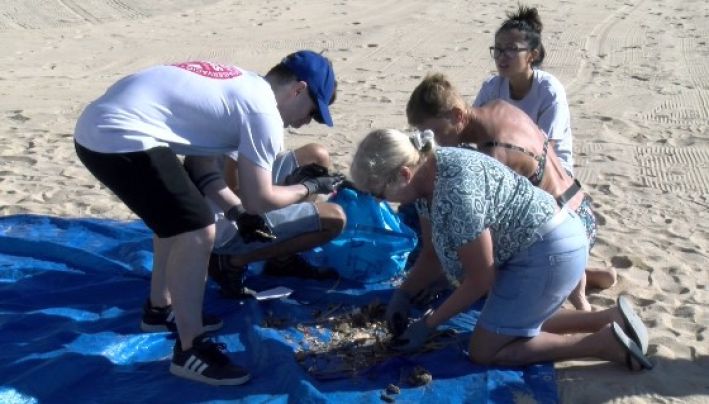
324, 113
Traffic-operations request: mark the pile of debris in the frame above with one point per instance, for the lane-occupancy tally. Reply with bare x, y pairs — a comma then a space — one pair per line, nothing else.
342, 342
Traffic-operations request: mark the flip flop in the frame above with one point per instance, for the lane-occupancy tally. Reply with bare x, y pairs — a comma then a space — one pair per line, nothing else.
633, 352
632, 324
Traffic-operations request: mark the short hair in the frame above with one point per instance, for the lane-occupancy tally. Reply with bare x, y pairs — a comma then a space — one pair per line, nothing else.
380, 156
280, 75
432, 98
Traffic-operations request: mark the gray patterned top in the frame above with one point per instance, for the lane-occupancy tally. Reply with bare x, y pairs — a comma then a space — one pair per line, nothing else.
474, 192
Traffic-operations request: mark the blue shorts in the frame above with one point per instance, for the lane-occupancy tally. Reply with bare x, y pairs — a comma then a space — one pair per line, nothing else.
286, 223
535, 282
283, 166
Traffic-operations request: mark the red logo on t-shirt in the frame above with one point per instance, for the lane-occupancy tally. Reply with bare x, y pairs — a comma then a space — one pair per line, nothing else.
209, 69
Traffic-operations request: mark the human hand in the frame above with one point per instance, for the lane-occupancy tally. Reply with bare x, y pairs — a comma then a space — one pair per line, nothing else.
251, 227
397, 313
323, 185
428, 295
305, 172
414, 337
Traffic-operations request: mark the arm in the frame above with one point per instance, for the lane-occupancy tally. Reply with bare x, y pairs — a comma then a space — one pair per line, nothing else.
554, 122
479, 273
427, 268
205, 173
230, 175
258, 193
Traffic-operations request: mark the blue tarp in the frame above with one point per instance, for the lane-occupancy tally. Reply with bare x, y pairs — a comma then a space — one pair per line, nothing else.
71, 292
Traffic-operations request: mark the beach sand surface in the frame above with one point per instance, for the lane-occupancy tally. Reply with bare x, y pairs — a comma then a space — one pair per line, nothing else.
636, 74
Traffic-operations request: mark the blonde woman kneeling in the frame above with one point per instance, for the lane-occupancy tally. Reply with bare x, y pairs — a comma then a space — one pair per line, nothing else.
494, 231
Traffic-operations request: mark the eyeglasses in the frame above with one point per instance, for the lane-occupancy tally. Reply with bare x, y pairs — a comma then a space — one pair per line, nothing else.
496, 52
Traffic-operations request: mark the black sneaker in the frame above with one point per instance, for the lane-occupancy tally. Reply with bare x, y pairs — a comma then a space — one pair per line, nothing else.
230, 278
206, 362
161, 319
296, 266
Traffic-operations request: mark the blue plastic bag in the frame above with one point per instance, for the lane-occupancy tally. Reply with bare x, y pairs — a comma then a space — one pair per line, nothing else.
373, 247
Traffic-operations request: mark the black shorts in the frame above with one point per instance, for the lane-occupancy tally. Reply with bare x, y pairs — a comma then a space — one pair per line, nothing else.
154, 185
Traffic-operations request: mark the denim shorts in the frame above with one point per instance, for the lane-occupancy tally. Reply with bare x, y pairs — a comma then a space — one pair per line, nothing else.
286, 223
283, 166
534, 283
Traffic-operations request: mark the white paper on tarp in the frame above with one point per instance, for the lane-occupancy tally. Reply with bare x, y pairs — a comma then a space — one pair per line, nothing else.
275, 293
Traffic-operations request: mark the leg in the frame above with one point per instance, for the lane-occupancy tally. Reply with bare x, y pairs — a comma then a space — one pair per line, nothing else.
578, 296
186, 275
489, 348
298, 227
159, 294
601, 278
572, 321
312, 153
332, 222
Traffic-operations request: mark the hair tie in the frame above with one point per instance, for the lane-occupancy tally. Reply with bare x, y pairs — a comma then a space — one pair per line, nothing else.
421, 140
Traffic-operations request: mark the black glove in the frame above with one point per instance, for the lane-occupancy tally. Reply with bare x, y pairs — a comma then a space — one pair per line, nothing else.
316, 178
323, 185
426, 296
251, 227
414, 337
305, 172
397, 313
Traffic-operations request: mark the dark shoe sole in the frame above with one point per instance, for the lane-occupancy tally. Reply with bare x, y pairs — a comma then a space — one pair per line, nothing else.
145, 327
632, 324
180, 371
239, 294
633, 351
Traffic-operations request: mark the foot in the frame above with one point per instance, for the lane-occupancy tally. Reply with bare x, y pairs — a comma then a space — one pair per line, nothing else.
628, 352
578, 297
601, 278
206, 362
162, 319
631, 323
230, 278
296, 266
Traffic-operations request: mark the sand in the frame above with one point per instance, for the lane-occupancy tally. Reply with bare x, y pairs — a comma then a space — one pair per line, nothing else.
636, 73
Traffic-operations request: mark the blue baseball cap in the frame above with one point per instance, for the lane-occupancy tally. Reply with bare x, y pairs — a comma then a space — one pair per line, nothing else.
316, 70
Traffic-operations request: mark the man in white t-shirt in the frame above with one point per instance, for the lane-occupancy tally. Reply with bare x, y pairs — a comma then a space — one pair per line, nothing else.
129, 139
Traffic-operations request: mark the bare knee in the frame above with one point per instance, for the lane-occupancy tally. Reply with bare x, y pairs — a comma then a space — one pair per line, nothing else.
485, 347
332, 218
202, 239
313, 153
481, 357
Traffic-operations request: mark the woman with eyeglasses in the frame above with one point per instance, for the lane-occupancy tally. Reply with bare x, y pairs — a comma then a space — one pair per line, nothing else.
518, 52
495, 233
506, 133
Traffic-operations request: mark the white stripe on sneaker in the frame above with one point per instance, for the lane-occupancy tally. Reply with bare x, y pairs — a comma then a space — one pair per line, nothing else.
197, 363
202, 368
191, 361
170, 317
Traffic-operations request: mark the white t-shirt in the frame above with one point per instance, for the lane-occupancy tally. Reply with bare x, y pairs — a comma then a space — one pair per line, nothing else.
545, 103
195, 108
